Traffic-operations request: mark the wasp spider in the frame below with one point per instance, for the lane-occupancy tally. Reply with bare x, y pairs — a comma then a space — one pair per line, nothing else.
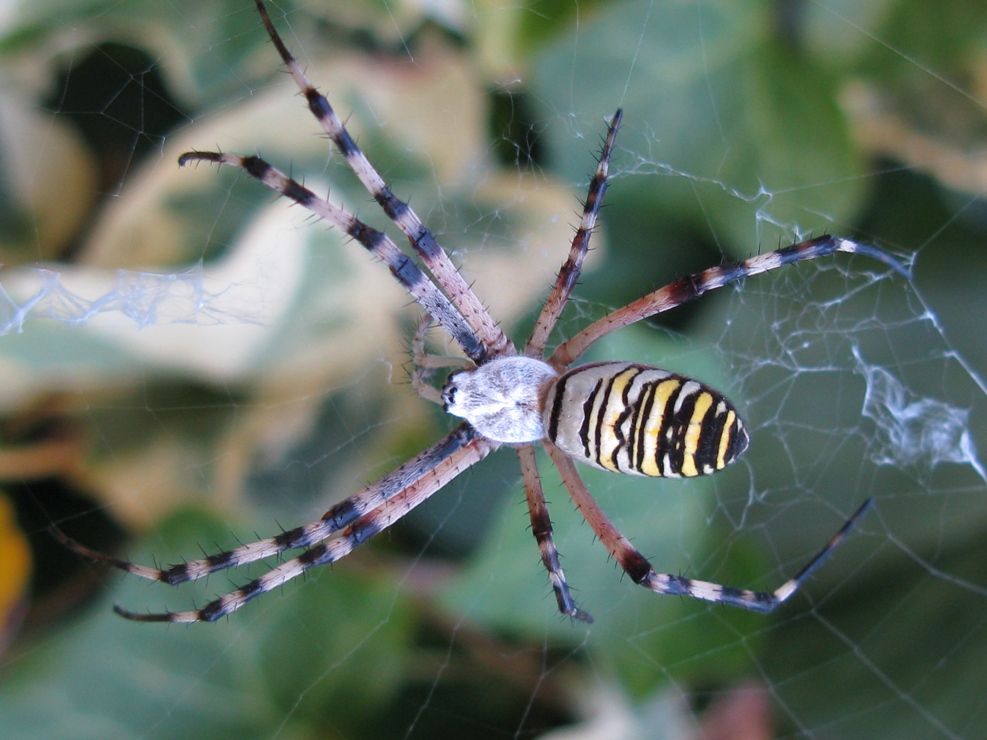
619, 416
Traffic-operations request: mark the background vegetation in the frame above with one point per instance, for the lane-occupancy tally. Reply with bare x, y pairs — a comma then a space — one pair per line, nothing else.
144, 427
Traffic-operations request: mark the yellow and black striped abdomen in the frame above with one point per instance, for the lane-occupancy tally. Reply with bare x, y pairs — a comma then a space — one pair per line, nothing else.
641, 420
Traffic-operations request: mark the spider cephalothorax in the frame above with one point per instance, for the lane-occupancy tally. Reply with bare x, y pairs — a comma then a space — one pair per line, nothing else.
618, 416
502, 399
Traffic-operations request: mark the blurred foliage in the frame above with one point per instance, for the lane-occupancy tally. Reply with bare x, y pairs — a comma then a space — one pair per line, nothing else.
284, 390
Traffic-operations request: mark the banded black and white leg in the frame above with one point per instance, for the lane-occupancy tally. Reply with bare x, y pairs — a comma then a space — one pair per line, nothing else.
541, 528
572, 267
402, 267
354, 520
689, 288
421, 239
642, 573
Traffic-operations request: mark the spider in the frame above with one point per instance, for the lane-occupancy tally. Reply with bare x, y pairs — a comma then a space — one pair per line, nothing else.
618, 416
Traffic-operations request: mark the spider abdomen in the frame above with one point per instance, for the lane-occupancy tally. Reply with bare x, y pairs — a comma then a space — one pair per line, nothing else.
636, 419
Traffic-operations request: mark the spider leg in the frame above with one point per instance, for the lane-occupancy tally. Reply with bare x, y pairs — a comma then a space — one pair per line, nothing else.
358, 517
424, 365
404, 269
642, 573
689, 288
541, 527
421, 239
573, 266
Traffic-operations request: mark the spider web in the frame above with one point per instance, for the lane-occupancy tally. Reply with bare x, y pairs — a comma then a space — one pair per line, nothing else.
190, 361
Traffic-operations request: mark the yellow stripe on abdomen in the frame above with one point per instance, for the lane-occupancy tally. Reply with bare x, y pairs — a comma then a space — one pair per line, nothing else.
694, 431
654, 426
